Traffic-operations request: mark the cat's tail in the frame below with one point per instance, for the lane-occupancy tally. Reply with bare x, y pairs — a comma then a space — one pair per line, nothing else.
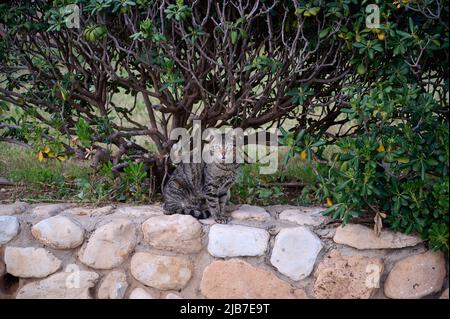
176, 208
199, 214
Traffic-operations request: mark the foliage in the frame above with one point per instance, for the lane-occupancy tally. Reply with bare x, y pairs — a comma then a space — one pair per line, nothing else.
380, 95
256, 189
251, 189
70, 180
396, 169
246, 64
393, 163
40, 180
104, 185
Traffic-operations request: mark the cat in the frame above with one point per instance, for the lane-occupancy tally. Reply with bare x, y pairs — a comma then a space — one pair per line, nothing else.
200, 189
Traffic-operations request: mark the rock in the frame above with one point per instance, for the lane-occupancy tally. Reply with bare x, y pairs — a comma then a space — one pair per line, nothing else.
145, 211
295, 252
236, 279
416, 276
362, 237
326, 232
86, 211
58, 232
444, 295
79, 211
9, 227
63, 285
161, 272
311, 216
13, 209
347, 277
251, 213
5, 182
277, 209
30, 262
173, 296
2, 268
102, 211
113, 286
179, 233
236, 240
48, 210
139, 293
109, 245
207, 221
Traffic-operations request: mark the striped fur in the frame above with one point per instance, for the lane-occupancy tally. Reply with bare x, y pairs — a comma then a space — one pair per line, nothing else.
200, 190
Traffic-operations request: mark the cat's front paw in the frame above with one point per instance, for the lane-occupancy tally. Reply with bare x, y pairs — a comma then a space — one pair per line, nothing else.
222, 219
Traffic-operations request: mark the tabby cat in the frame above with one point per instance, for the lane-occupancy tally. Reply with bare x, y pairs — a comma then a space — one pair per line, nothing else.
200, 189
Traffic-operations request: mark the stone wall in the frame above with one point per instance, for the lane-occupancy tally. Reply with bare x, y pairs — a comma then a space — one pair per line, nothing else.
67, 251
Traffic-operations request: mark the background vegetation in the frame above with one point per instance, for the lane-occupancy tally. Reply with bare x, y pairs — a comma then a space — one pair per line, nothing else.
364, 109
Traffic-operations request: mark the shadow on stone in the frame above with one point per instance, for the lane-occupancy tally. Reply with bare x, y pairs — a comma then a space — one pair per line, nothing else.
9, 284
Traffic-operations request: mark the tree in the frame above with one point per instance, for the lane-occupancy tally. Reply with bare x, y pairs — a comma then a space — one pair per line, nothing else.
238, 63
243, 64
378, 92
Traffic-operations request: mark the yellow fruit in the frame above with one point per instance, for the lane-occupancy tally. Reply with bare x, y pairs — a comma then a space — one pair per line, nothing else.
40, 156
303, 155
329, 202
381, 36
62, 158
46, 149
380, 148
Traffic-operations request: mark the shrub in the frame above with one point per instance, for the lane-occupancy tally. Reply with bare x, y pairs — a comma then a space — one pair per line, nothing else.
378, 92
396, 169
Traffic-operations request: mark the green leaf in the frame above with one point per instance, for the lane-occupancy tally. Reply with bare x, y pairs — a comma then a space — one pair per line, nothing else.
411, 25
403, 34
234, 37
403, 160
324, 33
361, 69
312, 12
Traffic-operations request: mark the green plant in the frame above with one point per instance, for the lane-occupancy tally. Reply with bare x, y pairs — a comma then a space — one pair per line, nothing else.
84, 132
98, 186
395, 169
133, 179
380, 94
43, 180
179, 11
253, 65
